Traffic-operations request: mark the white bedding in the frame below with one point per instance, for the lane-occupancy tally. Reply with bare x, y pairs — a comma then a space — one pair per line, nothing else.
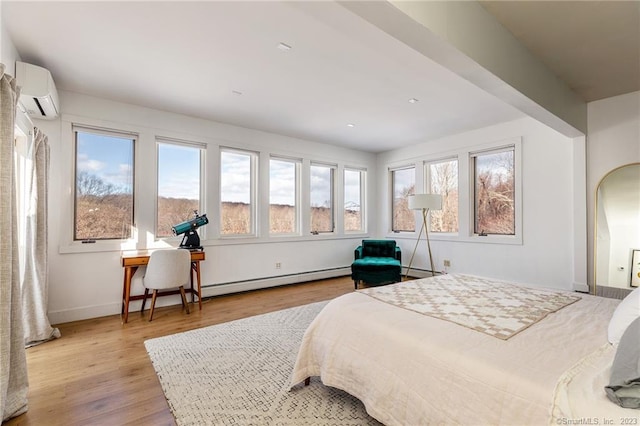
580, 394
412, 369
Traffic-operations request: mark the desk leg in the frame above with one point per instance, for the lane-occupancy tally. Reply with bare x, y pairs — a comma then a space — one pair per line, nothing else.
126, 291
197, 267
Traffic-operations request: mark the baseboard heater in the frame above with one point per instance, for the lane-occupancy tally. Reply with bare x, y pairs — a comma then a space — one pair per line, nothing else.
218, 289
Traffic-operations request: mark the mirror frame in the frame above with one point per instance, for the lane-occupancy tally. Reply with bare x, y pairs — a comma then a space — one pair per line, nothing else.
595, 223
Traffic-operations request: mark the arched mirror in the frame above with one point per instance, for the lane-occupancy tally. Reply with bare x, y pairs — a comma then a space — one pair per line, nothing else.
617, 233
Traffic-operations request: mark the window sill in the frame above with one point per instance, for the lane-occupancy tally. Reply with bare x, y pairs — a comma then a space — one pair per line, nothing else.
455, 238
97, 246
283, 239
127, 245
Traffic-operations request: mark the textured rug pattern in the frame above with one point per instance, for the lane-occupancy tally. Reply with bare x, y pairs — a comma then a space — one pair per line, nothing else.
239, 373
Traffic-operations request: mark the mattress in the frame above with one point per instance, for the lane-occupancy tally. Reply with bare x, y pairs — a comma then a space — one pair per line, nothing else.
409, 368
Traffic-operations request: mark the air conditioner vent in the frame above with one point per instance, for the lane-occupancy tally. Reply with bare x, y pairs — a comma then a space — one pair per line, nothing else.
38, 94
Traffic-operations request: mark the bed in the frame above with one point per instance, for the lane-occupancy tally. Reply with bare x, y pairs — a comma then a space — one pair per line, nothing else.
412, 364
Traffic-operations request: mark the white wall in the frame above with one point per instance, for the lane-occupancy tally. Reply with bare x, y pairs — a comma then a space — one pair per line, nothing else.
89, 284
548, 251
613, 141
625, 237
8, 53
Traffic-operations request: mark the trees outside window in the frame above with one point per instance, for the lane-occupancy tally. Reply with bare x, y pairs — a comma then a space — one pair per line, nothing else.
283, 196
237, 198
322, 199
494, 192
403, 184
179, 176
104, 190
442, 178
353, 200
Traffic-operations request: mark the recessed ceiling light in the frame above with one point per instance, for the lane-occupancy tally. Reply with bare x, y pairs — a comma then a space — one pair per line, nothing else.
284, 46
413, 101
351, 125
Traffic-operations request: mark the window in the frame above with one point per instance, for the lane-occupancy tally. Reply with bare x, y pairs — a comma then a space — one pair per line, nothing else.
23, 165
494, 191
403, 183
353, 197
283, 196
321, 195
237, 194
104, 170
442, 178
179, 176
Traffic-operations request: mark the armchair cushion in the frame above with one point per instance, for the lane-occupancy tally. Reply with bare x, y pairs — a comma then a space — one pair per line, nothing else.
376, 263
379, 248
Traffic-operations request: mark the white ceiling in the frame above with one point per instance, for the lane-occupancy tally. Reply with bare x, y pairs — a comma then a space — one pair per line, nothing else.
194, 57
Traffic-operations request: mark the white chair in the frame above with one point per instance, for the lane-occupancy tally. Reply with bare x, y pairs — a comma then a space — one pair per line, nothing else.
166, 269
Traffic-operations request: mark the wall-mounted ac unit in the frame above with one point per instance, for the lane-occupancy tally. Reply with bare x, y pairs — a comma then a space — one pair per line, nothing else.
38, 94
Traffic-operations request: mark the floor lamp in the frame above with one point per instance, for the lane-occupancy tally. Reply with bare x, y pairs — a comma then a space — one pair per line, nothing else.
424, 202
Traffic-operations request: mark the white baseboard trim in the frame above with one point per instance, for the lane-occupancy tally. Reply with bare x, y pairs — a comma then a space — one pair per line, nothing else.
95, 311
240, 286
85, 312
582, 287
419, 273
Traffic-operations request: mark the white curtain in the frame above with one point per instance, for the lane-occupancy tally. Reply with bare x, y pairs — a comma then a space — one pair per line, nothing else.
35, 294
13, 364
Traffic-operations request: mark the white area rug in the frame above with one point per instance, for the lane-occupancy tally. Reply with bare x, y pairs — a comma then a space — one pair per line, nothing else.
239, 373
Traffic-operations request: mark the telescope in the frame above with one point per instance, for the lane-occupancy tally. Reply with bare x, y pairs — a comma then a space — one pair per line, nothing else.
191, 240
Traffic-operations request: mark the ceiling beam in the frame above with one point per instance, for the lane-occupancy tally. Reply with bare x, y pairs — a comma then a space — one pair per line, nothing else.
464, 38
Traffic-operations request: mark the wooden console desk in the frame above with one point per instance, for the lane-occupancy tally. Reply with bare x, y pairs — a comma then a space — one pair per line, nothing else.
132, 260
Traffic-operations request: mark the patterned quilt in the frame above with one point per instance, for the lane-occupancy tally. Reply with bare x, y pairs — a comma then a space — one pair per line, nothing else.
496, 308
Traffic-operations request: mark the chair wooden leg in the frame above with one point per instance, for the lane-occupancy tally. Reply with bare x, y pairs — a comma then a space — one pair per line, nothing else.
153, 304
144, 301
199, 286
355, 284
184, 299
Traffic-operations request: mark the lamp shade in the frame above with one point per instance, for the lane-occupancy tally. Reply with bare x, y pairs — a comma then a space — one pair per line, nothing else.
425, 201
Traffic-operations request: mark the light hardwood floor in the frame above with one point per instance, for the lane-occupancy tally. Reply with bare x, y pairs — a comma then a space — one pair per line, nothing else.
99, 373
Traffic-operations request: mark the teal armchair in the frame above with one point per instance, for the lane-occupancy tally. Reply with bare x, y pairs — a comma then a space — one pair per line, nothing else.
377, 262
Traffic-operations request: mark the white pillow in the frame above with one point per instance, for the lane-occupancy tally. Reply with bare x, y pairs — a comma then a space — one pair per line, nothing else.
627, 311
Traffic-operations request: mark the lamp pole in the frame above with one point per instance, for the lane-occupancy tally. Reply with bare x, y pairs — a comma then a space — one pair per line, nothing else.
424, 202
415, 248
424, 227
426, 232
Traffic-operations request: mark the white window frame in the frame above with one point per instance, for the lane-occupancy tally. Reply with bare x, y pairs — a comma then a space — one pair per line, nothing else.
69, 161
333, 168
297, 197
161, 140
514, 144
363, 200
427, 174
465, 193
391, 175
253, 196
